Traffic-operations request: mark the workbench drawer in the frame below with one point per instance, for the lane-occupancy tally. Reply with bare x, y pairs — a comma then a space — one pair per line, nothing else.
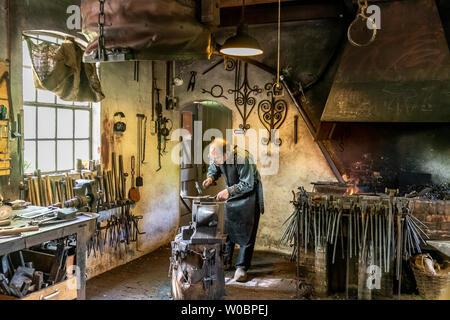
66, 290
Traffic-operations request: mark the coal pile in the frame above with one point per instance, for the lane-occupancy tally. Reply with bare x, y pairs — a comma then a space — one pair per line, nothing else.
429, 192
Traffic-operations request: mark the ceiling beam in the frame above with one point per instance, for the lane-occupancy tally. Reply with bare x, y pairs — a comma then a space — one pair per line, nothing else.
238, 3
290, 11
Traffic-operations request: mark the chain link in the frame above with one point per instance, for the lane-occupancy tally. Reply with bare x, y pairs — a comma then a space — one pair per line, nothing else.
362, 6
101, 27
278, 86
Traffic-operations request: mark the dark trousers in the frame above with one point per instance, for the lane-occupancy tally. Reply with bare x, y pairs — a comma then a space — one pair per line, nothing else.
245, 255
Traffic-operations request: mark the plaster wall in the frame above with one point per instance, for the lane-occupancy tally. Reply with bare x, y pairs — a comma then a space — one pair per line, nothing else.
299, 164
159, 204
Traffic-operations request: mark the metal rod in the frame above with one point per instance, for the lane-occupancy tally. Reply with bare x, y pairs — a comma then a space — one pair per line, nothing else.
337, 231
43, 40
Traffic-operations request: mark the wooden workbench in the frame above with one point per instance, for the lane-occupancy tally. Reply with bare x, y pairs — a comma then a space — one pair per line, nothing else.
83, 227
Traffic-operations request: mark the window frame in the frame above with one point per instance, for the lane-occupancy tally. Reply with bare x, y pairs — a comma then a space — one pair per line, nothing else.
73, 106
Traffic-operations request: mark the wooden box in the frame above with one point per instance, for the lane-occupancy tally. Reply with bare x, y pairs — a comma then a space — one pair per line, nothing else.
43, 261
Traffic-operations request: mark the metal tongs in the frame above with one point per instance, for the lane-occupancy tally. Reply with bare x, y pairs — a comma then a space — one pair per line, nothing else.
207, 197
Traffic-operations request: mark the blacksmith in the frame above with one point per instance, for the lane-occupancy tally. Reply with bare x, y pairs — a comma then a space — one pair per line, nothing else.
245, 203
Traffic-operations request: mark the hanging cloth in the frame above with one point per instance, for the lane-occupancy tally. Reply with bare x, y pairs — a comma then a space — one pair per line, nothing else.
60, 69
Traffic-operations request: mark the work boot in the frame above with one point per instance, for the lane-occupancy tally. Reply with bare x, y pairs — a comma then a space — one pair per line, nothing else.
240, 275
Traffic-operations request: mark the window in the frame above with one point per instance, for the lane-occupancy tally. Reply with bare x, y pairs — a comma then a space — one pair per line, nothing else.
56, 132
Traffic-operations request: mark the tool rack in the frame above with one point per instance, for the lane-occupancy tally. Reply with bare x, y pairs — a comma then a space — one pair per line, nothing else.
399, 210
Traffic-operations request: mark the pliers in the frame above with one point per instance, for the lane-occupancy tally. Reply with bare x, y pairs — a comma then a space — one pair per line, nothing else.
191, 86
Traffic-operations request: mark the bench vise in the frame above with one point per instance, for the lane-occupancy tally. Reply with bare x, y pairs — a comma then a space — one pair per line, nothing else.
86, 197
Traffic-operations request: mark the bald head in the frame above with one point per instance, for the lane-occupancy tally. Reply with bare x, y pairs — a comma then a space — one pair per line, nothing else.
219, 151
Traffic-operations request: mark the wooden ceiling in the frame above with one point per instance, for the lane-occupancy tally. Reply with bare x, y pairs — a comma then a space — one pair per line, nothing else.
265, 11
238, 3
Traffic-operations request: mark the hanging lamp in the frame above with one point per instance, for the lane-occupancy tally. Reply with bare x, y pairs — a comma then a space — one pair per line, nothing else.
241, 44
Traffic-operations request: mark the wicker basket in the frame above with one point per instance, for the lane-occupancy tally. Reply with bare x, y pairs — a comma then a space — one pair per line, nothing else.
431, 287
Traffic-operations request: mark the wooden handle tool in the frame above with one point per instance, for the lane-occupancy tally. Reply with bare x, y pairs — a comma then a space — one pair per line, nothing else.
9, 232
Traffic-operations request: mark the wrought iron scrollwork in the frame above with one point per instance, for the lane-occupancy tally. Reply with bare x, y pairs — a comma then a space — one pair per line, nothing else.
216, 92
272, 114
230, 64
243, 91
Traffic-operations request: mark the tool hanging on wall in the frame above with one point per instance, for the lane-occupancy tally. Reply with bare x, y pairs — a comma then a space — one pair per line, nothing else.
141, 141
136, 71
120, 126
115, 180
154, 88
122, 179
171, 100
120, 228
163, 128
192, 81
295, 129
142, 127
133, 194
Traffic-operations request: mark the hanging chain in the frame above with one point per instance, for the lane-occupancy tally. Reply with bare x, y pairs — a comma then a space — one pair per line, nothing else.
279, 45
362, 6
101, 27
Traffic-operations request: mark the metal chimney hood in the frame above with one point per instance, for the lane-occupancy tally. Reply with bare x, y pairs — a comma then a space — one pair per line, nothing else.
402, 77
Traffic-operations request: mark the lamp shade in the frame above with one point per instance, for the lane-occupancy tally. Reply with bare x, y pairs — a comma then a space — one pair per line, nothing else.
241, 44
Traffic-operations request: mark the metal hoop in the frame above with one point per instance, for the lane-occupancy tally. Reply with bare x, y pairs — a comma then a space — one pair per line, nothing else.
374, 33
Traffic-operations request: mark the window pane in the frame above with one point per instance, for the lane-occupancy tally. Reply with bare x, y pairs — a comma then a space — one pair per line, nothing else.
82, 104
82, 150
29, 155
65, 124
29, 122
45, 96
47, 38
65, 155
60, 101
46, 156
82, 124
46, 123
29, 91
26, 55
